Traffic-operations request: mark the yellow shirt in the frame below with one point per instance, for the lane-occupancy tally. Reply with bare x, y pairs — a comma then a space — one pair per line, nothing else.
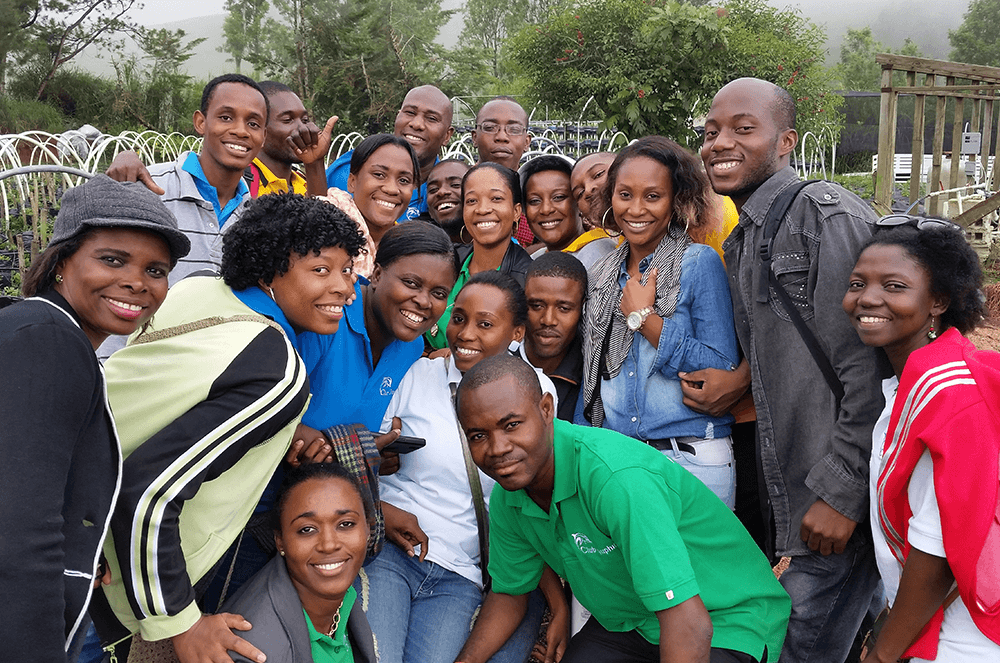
730, 219
270, 183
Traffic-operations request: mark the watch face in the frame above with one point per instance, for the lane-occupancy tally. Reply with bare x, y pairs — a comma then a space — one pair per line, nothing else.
634, 320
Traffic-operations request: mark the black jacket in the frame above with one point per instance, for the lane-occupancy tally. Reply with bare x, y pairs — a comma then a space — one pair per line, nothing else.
269, 602
515, 261
59, 477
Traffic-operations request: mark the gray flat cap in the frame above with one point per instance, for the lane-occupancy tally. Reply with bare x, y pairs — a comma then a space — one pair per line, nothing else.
105, 203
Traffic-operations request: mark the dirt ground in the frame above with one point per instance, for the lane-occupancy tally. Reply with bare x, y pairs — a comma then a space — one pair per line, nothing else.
987, 335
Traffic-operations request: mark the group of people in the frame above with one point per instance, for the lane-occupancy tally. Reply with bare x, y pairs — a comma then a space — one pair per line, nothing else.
399, 408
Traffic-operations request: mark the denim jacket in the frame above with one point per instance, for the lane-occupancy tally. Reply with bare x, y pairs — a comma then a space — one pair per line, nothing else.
809, 449
644, 400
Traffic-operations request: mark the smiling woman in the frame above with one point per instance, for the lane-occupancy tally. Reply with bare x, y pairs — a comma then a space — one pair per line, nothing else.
302, 604
656, 306
491, 207
384, 170
217, 415
104, 272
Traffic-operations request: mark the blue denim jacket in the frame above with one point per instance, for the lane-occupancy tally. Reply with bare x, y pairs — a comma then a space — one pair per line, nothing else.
644, 400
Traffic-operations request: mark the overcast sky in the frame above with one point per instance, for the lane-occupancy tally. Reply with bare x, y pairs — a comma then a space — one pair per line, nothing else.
155, 12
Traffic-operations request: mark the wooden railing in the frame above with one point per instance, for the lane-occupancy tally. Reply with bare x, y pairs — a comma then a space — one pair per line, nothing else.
970, 91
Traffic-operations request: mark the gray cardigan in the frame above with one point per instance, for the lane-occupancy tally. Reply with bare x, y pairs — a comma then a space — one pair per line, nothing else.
269, 602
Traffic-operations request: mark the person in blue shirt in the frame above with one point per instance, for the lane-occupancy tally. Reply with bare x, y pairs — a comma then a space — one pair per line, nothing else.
424, 121
657, 305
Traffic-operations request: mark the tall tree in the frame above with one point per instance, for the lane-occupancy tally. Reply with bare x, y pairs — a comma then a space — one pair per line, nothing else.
488, 23
975, 41
243, 29
16, 16
858, 71
65, 27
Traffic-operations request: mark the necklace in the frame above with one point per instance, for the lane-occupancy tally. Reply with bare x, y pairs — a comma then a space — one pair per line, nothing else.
335, 624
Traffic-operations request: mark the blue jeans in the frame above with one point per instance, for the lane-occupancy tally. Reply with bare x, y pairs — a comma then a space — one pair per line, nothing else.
712, 462
421, 612
830, 596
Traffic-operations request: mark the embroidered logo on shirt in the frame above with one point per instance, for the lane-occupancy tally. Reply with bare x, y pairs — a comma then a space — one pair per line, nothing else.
386, 388
586, 546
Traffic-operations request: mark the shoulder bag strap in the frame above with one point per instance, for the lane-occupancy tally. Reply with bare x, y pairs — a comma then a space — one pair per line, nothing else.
478, 501
774, 217
204, 323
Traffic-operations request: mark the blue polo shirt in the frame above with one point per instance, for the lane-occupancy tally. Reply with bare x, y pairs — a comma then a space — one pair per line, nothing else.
338, 172
192, 165
347, 388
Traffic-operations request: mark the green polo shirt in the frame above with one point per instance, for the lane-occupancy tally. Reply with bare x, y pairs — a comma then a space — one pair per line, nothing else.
635, 533
338, 648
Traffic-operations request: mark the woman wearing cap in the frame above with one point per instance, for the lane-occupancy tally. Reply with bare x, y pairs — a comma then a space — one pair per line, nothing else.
104, 272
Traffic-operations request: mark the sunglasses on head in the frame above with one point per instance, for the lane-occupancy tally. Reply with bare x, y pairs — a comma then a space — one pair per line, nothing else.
920, 222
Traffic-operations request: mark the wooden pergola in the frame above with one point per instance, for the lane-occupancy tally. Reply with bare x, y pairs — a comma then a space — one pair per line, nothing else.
971, 91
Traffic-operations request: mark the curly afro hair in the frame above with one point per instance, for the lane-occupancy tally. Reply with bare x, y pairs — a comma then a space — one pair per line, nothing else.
259, 246
953, 267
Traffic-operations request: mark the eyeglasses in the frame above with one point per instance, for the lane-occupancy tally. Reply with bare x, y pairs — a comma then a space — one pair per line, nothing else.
921, 222
511, 129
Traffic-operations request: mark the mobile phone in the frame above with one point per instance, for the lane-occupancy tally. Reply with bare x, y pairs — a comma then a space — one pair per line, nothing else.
404, 444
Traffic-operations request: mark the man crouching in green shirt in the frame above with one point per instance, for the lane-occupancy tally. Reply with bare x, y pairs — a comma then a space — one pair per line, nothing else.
665, 568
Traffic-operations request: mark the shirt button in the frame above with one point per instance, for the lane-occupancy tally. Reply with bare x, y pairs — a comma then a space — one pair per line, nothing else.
827, 197
633, 418
630, 374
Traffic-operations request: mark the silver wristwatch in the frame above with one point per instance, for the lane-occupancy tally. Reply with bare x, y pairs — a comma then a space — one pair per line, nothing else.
635, 319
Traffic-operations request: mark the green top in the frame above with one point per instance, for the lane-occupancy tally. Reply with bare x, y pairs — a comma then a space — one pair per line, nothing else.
436, 337
338, 648
635, 533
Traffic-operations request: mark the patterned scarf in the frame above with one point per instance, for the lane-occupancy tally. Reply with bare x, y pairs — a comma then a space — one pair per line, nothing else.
607, 337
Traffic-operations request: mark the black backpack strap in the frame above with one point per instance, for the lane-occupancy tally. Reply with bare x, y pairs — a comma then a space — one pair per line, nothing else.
767, 277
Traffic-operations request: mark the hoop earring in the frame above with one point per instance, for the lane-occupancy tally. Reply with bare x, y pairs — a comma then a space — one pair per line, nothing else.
932, 333
513, 231
604, 226
464, 229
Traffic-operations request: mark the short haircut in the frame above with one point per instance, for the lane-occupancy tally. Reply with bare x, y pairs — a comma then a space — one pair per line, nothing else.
783, 109
542, 164
953, 265
309, 471
690, 183
272, 88
443, 162
409, 239
510, 176
273, 227
559, 265
209, 90
579, 162
503, 97
517, 305
496, 368
366, 148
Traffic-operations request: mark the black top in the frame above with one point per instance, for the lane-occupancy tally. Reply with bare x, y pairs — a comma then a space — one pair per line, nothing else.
515, 261
59, 478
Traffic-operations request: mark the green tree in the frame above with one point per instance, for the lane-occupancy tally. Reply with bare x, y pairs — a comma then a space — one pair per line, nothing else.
857, 70
975, 41
167, 51
65, 27
354, 59
652, 66
16, 16
243, 29
488, 24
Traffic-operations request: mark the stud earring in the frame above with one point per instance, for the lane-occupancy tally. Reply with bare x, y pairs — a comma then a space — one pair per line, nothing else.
932, 333
59, 278
281, 552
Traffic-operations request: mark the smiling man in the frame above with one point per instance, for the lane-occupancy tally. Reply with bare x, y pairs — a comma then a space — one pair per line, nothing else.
424, 121
666, 570
444, 197
555, 287
814, 448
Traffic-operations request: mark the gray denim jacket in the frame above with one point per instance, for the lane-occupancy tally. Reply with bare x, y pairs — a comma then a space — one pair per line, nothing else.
809, 450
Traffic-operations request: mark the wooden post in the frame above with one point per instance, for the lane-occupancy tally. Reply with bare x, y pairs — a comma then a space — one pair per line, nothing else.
917, 151
937, 145
984, 153
885, 176
974, 126
956, 144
